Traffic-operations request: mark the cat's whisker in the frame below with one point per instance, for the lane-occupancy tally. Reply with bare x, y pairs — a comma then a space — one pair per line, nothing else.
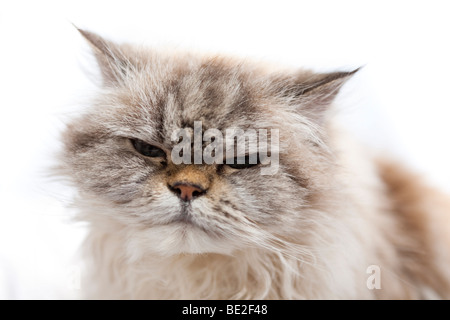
262, 238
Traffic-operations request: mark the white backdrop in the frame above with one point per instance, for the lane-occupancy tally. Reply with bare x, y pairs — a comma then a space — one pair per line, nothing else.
399, 102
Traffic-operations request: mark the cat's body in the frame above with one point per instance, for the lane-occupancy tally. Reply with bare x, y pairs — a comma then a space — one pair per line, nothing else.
332, 222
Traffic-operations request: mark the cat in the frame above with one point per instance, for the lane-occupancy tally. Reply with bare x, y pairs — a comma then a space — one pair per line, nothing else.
333, 221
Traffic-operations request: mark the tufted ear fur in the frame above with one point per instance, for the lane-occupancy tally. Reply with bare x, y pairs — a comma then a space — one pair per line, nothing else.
312, 93
112, 59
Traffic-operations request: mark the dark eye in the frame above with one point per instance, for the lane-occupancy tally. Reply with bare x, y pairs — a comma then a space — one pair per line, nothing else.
249, 162
147, 149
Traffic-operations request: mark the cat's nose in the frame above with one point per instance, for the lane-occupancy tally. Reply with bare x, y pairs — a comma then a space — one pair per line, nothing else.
187, 191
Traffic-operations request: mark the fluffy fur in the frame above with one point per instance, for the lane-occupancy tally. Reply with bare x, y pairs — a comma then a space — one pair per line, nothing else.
310, 231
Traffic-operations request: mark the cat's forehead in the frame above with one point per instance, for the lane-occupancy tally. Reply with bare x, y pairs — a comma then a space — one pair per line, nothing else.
219, 93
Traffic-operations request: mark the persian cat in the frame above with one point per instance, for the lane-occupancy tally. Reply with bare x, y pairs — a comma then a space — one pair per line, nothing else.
331, 221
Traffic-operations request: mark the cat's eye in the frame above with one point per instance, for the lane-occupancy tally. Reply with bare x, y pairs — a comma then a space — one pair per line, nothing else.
147, 149
249, 162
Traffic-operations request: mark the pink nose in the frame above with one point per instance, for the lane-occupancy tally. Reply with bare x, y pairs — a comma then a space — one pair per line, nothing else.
187, 191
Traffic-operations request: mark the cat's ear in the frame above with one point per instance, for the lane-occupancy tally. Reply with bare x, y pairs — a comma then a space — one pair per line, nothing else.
114, 64
313, 93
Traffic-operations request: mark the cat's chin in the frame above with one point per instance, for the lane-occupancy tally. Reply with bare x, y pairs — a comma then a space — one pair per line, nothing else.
178, 238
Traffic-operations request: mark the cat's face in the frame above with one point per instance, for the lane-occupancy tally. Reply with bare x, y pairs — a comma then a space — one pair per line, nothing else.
120, 153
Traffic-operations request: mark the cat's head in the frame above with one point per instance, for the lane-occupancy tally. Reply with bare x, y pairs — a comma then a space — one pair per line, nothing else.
120, 152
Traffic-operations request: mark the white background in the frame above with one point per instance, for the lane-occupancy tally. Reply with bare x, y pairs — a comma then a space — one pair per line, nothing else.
399, 102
